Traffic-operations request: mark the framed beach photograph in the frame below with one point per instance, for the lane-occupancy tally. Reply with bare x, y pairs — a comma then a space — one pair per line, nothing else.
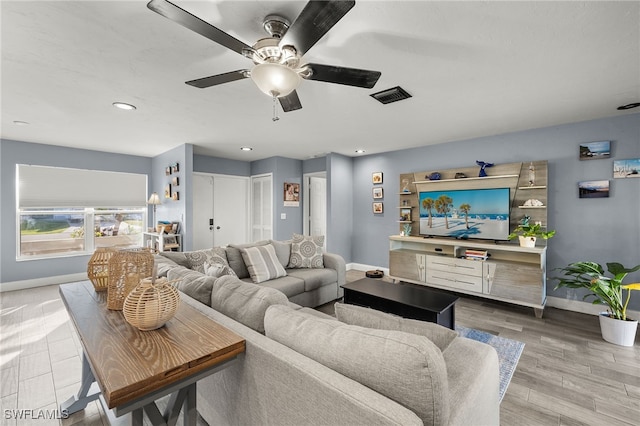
377, 208
377, 193
405, 215
623, 169
595, 150
593, 189
376, 177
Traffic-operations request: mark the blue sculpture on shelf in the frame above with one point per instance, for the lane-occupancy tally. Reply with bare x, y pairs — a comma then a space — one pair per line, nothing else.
483, 165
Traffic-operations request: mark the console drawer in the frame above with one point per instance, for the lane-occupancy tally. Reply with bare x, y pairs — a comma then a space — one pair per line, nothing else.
457, 266
455, 280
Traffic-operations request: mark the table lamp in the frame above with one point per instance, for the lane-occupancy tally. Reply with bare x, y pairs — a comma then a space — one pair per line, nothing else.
154, 200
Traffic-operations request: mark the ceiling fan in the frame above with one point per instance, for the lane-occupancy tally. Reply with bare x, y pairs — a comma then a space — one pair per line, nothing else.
277, 69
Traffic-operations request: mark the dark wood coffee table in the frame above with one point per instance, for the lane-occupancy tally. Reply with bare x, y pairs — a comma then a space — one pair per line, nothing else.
404, 299
129, 369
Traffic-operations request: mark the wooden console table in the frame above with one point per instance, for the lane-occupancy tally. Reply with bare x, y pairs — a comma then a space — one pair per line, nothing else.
132, 368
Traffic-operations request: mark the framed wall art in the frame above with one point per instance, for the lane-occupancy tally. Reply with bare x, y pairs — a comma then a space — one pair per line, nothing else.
377, 193
593, 189
376, 177
623, 169
377, 208
595, 150
291, 194
167, 191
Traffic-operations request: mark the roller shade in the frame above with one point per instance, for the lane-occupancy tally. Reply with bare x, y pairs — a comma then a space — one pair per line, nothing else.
42, 186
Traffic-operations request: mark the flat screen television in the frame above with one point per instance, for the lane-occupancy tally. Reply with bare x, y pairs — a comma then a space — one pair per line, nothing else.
465, 213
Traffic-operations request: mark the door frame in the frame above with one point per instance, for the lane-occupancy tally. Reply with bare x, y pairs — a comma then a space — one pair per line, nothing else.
306, 199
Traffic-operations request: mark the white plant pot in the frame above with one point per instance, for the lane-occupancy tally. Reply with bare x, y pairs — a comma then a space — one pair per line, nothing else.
616, 331
527, 241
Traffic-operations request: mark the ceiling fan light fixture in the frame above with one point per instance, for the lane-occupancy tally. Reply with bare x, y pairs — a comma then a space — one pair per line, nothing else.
275, 79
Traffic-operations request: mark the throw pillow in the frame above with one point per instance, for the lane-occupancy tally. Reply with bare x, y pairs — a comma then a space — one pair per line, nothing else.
198, 258
370, 318
244, 302
262, 263
306, 252
234, 256
217, 270
192, 283
283, 251
404, 367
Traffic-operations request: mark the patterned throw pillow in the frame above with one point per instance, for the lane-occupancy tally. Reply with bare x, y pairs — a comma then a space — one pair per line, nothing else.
262, 263
306, 252
217, 270
198, 258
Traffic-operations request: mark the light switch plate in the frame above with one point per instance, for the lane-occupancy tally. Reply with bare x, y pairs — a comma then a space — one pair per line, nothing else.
283, 216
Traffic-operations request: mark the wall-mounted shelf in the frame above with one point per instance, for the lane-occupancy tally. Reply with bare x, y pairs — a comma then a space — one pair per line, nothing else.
406, 221
405, 193
406, 207
468, 178
532, 187
532, 207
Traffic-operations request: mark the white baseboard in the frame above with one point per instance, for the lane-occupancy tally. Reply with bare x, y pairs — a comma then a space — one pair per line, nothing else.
582, 307
41, 282
362, 267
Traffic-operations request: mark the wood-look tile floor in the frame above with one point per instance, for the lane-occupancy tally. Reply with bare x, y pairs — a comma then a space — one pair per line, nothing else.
567, 374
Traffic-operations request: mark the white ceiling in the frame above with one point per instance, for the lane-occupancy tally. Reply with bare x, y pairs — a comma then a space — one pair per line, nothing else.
473, 69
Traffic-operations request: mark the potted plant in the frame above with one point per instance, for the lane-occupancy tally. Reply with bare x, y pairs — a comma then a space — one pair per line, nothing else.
614, 324
528, 234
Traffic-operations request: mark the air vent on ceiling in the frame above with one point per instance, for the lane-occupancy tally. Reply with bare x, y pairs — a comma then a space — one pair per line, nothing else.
391, 95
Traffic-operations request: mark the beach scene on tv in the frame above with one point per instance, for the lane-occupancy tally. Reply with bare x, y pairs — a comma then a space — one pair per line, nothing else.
467, 213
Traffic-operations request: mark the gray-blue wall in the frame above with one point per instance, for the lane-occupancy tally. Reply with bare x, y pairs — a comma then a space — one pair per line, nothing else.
599, 229
13, 153
340, 214
223, 166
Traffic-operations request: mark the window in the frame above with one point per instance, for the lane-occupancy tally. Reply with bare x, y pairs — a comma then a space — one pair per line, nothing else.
58, 211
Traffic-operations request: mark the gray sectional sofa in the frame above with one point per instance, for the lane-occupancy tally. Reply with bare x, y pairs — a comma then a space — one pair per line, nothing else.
304, 286
303, 367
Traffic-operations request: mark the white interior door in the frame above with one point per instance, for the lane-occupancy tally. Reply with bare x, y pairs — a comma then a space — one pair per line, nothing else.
316, 205
220, 210
261, 208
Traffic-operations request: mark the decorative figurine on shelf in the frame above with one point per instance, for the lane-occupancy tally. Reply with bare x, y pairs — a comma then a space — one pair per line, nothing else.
405, 185
460, 175
532, 202
532, 175
525, 220
406, 229
483, 165
434, 176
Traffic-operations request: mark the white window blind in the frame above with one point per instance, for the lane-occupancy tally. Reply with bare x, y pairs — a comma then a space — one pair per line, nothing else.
42, 186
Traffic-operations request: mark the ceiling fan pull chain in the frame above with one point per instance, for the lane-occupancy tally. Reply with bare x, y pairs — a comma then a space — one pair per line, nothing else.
275, 112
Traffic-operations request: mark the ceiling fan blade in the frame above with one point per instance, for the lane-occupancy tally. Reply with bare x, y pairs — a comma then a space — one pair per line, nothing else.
291, 102
214, 80
192, 22
342, 75
315, 20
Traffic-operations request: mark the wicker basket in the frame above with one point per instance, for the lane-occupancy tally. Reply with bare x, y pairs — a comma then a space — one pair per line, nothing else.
149, 306
126, 269
98, 268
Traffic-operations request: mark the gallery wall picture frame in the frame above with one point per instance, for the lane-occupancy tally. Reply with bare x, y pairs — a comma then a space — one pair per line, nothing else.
595, 150
378, 193
175, 167
175, 195
167, 171
405, 215
593, 189
378, 208
291, 194
167, 191
623, 169
175, 181
376, 178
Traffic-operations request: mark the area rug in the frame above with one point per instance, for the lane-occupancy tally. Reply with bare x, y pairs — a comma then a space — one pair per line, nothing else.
509, 352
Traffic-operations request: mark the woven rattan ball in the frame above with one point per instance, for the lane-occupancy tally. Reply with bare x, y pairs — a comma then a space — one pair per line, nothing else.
98, 268
149, 306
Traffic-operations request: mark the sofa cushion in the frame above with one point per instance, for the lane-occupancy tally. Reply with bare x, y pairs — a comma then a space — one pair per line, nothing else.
176, 256
244, 302
290, 286
234, 257
404, 367
262, 263
306, 252
192, 283
314, 278
366, 317
164, 264
283, 251
198, 258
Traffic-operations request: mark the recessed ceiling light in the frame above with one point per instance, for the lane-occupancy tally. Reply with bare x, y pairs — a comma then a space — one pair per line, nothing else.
629, 106
20, 123
246, 148
360, 151
122, 105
